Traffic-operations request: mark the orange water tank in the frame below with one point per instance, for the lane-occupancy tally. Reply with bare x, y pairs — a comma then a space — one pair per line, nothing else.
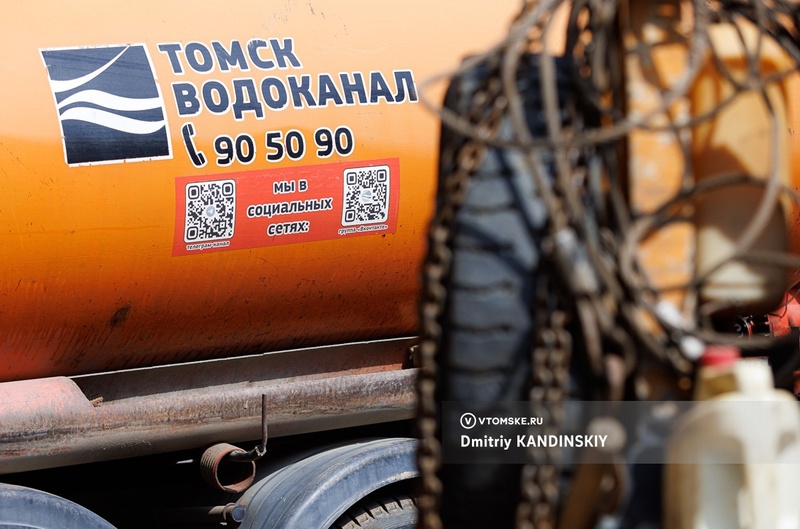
186, 180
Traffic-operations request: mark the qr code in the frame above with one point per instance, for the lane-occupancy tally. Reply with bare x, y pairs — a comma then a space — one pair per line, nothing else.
366, 195
210, 210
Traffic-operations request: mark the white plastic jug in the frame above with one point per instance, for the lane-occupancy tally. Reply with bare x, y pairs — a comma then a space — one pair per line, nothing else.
732, 460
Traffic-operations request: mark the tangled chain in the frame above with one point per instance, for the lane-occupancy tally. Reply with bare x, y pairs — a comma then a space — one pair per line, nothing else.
594, 234
485, 113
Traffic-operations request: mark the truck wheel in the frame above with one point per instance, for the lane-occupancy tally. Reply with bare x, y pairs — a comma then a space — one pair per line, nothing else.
386, 512
488, 322
316, 490
24, 508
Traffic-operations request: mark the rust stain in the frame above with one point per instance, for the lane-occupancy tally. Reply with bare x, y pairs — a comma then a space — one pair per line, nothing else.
119, 317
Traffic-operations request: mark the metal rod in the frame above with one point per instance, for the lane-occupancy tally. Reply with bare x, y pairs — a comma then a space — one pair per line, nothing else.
232, 512
259, 451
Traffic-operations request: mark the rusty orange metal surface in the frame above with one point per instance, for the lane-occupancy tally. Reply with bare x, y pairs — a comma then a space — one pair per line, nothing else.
655, 163
657, 166
101, 267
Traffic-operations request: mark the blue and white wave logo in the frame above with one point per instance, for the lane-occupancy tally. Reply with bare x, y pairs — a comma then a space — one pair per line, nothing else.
109, 104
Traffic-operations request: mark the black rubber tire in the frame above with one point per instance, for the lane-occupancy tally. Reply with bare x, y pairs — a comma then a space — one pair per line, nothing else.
24, 508
488, 323
314, 490
382, 512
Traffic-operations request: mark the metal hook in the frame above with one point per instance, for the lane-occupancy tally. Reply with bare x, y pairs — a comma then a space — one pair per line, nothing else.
259, 451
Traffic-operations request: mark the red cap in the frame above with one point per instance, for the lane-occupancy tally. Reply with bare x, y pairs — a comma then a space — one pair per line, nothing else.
720, 355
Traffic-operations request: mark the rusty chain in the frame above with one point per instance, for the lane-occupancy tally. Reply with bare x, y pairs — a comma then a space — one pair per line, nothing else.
485, 113
608, 312
550, 378
550, 352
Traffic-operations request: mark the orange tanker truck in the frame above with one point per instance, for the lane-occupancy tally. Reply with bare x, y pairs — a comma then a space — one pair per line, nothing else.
253, 226
207, 208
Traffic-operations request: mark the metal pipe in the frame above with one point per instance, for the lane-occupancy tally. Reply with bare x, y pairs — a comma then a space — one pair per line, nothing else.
50, 422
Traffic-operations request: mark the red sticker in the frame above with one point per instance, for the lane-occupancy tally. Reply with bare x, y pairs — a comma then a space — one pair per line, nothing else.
250, 209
